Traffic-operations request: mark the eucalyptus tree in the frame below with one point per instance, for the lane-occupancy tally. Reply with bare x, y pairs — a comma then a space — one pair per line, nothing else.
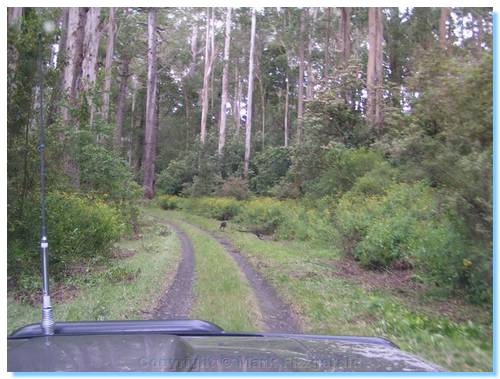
248, 132
110, 48
374, 76
225, 74
151, 115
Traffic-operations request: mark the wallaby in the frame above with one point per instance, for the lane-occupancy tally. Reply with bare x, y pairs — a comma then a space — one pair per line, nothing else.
223, 225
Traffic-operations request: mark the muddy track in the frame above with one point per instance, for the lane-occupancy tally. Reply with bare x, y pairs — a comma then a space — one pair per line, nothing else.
176, 301
276, 315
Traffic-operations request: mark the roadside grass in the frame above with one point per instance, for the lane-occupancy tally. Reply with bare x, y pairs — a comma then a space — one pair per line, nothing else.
328, 304
127, 288
222, 294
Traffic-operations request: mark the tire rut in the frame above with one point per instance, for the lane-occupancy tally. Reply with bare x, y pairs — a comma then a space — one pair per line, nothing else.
177, 300
277, 316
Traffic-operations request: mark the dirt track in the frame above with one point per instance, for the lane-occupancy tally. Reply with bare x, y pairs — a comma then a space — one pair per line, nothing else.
277, 316
176, 301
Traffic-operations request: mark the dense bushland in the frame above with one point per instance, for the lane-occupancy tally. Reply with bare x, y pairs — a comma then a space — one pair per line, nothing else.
411, 187
369, 208
80, 228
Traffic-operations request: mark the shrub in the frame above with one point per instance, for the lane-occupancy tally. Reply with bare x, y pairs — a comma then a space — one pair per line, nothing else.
396, 225
343, 167
170, 181
412, 222
167, 202
107, 177
271, 165
220, 208
78, 228
235, 187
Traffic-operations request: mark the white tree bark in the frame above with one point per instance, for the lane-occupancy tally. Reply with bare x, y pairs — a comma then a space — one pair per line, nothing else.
150, 130
237, 98
286, 112
248, 132
73, 56
90, 50
209, 56
310, 42
374, 75
442, 27
107, 64
225, 73
14, 16
300, 92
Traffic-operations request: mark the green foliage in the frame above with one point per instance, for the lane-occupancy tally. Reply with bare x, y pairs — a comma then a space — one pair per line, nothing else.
409, 223
270, 166
167, 202
108, 177
280, 219
79, 229
220, 208
342, 168
171, 180
103, 173
235, 187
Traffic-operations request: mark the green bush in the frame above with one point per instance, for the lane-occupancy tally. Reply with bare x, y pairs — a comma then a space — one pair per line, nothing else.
107, 177
79, 228
220, 208
236, 187
167, 202
282, 219
411, 222
170, 181
343, 167
271, 165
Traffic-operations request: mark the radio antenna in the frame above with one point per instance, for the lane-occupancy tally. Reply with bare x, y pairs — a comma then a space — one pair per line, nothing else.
47, 320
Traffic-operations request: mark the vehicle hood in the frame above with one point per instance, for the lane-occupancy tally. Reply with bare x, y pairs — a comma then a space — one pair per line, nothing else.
164, 352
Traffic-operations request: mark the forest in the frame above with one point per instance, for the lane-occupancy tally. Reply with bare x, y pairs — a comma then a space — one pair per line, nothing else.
342, 147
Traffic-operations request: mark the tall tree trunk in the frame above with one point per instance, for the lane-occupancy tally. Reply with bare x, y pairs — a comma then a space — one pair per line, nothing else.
225, 73
237, 98
55, 95
132, 125
326, 71
206, 77
442, 27
194, 50
300, 92
310, 42
185, 81
107, 64
374, 75
73, 56
14, 16
120, 106
212, 49
248, 132
345, 30
89, 63
286, 111
150, 132
263, 109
